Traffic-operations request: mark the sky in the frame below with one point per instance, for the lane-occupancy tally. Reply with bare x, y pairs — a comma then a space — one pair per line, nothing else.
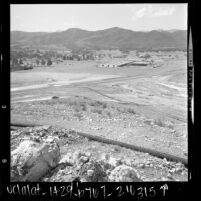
59, 17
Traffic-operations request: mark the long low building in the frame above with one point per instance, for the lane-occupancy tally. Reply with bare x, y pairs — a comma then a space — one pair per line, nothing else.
139, 63
124, 63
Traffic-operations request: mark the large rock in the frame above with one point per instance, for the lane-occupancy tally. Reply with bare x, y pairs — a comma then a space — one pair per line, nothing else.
109, 162
79, 166
92, 171
75, 158
32, 160
124, 173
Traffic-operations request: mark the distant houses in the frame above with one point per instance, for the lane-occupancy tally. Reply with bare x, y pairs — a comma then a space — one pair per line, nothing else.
29, 58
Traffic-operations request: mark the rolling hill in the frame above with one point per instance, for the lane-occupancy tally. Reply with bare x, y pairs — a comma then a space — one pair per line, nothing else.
103, 39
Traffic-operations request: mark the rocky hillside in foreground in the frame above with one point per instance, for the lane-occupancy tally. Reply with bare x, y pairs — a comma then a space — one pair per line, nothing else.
51, 154
103, 39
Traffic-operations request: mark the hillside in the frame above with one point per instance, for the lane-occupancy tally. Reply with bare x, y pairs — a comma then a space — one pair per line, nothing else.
104, 39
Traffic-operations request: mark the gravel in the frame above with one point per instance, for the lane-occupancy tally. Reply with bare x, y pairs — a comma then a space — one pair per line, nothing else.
86, 160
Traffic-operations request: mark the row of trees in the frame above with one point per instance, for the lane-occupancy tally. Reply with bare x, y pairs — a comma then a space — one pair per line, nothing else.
43, 62
17, 63
23, 57
30, 54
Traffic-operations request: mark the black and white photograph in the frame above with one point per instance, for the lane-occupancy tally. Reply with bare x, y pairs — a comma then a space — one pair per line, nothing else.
98, 92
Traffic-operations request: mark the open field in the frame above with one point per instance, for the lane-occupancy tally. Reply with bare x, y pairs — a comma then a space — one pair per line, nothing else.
138, 105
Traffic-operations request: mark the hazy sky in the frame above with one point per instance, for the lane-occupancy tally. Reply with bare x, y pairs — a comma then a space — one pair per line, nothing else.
137, 17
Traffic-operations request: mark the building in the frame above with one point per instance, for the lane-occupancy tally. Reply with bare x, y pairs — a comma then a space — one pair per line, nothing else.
124, 63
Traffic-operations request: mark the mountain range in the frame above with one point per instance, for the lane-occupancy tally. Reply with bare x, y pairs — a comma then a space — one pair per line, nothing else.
75, 38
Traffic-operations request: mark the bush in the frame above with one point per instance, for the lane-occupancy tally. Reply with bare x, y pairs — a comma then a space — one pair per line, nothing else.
98, 111
78, 115
43, 62
158, 122
130, 110
84, 107
170, 126
55, 97
93, 103
86, 98
98, 103
148, 122
104, 105
109, 114
121, 109
49, 62
77, 109
71, 103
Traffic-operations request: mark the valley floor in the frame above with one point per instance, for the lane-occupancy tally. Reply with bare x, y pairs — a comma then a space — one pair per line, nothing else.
143, 106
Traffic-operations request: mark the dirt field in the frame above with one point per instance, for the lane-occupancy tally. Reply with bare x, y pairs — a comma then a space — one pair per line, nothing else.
144, 106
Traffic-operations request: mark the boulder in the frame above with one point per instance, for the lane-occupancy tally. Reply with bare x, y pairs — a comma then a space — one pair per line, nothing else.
124, 173
75, 158
92, 171
114, 162
109, 162
32, 160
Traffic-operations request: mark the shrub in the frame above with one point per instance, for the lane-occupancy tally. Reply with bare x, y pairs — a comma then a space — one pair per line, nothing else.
77, 109
131, 110
43, 62
49, 62
109, 114
148, 122
78, 115
93, 103
71, 103
97, 111
104, 105
97, 103
159, 123
84, 107
55, 97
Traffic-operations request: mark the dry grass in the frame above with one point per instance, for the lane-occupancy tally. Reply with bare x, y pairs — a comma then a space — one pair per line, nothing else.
125, 110
98, 111
148, 122
79, 115
85, 104
108, 113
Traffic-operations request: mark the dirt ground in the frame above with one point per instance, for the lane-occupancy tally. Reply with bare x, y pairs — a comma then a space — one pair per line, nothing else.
148, 168
143, 106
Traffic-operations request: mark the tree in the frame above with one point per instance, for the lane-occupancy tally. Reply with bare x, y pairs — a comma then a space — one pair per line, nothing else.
15, 61
20, 61
37, 62
147, 56
43, 62
49, 62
